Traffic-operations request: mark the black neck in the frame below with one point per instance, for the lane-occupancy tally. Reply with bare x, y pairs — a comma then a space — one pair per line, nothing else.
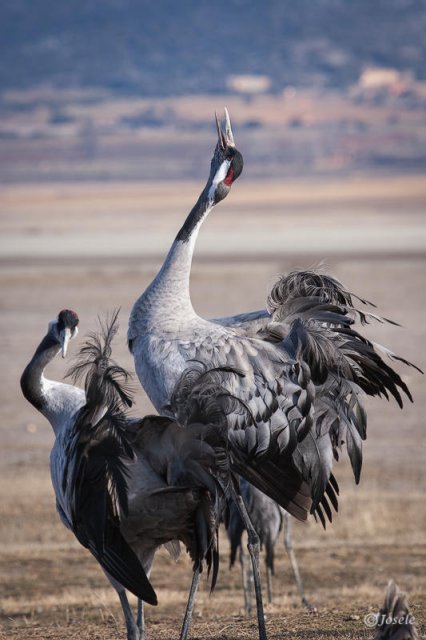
31, 379
195, 216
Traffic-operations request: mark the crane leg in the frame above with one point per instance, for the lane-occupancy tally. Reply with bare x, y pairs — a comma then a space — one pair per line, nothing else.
247, 582
190, 604
140, 620
288, 543
269, 583
253, 549
132, 627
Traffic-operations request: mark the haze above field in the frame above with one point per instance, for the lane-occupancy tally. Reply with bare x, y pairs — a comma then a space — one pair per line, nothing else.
120, 90
175, 48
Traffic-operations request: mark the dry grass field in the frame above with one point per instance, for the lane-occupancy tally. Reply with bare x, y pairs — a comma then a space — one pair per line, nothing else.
94, 247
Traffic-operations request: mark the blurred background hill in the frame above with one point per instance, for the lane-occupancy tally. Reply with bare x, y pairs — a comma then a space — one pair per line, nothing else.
174, 48
116, 89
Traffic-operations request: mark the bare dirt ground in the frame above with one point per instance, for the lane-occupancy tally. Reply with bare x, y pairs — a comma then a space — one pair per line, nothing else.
51, 588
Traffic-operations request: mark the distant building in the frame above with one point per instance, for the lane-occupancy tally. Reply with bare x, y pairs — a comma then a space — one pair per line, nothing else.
249, 85
381, 85
377, 78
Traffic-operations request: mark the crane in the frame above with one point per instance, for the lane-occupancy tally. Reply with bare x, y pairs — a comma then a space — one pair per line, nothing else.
303, 367
125, 486
268, 519
394, 621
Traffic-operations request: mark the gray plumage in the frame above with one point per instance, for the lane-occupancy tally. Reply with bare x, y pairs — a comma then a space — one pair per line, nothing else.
268, 519
57, 401
394, 620
126, 486
303, 367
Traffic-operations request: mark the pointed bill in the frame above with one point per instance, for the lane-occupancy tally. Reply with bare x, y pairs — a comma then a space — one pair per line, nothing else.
225, 137
65, 338
228, 130
220, 135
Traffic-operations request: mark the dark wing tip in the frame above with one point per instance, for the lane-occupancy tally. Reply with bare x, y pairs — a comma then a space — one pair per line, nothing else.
120, 561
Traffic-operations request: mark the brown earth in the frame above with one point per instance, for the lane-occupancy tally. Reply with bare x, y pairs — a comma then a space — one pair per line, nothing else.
51, 588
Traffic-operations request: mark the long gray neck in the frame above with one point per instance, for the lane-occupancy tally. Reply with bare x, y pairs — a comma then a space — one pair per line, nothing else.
170, 288
57, 401
32, 378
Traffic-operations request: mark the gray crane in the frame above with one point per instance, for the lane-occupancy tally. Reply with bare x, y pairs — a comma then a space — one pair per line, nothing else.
125, 486
303, 366
395, 621
268, 519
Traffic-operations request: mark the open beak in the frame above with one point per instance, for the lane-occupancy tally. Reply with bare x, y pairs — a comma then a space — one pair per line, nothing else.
225, 136
65, 338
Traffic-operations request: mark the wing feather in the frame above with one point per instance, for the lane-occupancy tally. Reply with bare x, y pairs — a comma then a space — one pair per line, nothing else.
94, 481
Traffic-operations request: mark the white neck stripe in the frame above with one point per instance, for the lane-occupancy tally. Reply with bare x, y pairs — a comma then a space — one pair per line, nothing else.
220, 175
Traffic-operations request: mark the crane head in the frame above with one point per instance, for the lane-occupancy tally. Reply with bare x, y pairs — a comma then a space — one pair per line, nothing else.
64, 328
227, 162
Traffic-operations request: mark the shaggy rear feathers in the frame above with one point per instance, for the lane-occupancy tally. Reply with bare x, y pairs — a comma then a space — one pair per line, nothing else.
313, 318
394, 620
200, 397
103, 377
304, 284
94, 479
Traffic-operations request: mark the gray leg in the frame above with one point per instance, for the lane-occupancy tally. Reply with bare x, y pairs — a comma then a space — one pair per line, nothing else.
247, 582
140, 620
132, 628
269, 583
288, 543
253, 549
190, 605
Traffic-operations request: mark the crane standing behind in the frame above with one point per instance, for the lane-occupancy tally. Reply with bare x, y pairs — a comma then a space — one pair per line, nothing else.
268, 519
